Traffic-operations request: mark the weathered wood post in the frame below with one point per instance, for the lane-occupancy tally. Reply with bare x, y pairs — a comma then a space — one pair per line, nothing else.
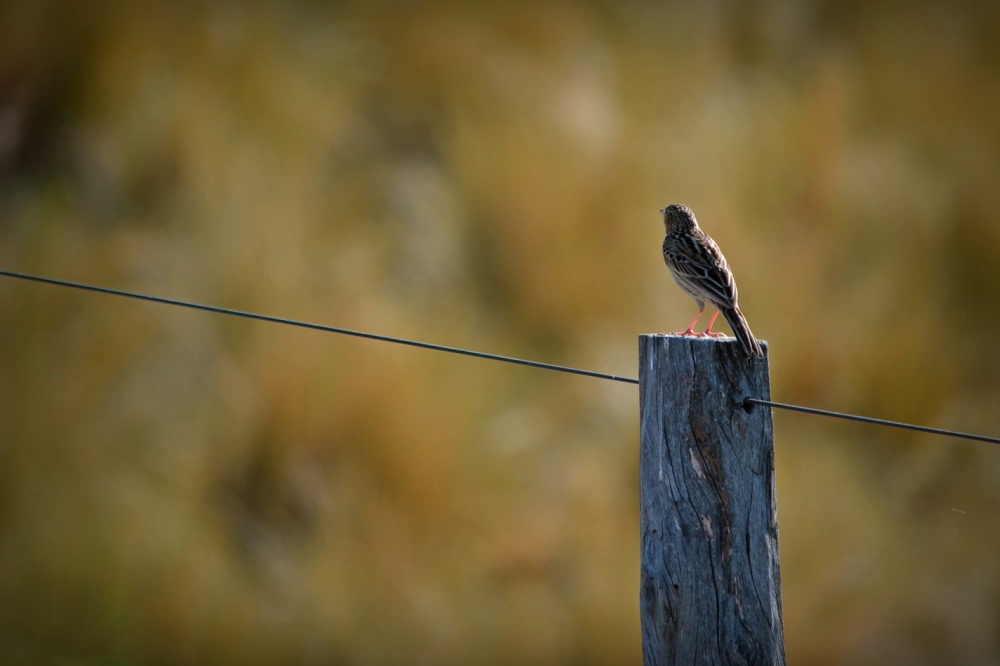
710, 582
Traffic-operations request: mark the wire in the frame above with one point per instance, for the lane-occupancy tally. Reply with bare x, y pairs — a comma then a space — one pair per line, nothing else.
477, 354
318, 327
868, 419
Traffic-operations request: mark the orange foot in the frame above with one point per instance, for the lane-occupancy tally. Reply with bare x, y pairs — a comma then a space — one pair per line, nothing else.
690, 333
708, 330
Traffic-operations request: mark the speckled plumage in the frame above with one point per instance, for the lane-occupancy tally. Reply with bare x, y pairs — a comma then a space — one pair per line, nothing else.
697, 265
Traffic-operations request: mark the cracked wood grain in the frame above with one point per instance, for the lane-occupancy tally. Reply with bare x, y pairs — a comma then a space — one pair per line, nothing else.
710, 577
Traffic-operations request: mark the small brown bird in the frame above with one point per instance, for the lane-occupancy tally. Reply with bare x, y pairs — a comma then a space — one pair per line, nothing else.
703, 273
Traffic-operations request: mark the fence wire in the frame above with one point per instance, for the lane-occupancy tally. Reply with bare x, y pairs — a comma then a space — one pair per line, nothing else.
748, 402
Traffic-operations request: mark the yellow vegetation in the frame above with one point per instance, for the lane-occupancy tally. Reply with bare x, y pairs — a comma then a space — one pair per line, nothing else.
179, 487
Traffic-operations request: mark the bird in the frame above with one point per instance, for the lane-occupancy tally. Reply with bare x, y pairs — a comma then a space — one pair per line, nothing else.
699, 268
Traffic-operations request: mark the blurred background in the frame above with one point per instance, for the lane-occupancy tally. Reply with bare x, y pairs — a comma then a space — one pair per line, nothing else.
178, 487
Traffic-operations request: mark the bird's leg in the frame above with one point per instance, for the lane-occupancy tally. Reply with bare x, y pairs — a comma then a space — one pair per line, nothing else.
690, 329
708, 331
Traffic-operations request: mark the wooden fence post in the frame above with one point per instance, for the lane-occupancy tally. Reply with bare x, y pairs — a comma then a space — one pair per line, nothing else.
710, 582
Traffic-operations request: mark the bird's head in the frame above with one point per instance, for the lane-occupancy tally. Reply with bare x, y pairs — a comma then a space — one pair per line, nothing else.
677, 216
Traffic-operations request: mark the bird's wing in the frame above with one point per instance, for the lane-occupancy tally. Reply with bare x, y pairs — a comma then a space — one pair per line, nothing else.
703, 266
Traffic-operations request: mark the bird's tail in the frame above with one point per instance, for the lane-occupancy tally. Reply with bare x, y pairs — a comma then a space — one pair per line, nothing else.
741, 328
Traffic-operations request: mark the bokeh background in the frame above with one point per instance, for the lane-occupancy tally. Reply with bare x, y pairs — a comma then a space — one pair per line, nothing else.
184, 488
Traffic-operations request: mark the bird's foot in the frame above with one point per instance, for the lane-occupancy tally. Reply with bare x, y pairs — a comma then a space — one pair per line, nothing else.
689, 333
714, 334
